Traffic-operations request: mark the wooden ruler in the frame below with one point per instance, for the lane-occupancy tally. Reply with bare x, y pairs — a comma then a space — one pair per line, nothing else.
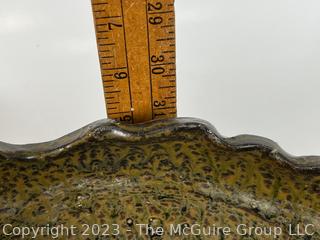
136, 44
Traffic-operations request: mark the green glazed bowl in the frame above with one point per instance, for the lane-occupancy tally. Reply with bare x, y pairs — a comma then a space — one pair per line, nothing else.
169, 179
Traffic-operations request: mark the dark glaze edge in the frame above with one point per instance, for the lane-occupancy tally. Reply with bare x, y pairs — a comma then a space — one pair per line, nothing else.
110, 129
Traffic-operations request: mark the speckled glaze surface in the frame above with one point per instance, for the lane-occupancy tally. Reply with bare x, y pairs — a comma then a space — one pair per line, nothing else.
178, 171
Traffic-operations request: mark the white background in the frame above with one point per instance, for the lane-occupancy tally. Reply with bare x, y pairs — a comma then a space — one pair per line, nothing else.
247, 66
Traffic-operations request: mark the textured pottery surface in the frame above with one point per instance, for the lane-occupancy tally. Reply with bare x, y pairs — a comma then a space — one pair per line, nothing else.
178, 171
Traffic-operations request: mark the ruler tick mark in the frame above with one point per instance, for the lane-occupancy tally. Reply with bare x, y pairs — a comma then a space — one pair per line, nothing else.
96, 4
119, 68
164, 108
166, 39
169, 75
101, 24
162, 12
118, 113
108, 17
113, 91
169, 51
167, 26
107, 44
167, 86
159, 64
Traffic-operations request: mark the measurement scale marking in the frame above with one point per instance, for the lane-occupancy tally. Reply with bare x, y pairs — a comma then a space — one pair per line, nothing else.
117, 113
163, 12
119, 68
96, 4
102, 31
169, 75
166, 39
167, 26
113, 91
167, 86
107, 44
160, 64
164, 108
150, 75
104, 17
126, 52
160, 99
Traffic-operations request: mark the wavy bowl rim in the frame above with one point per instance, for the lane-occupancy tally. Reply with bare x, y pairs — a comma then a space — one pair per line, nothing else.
137, 132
